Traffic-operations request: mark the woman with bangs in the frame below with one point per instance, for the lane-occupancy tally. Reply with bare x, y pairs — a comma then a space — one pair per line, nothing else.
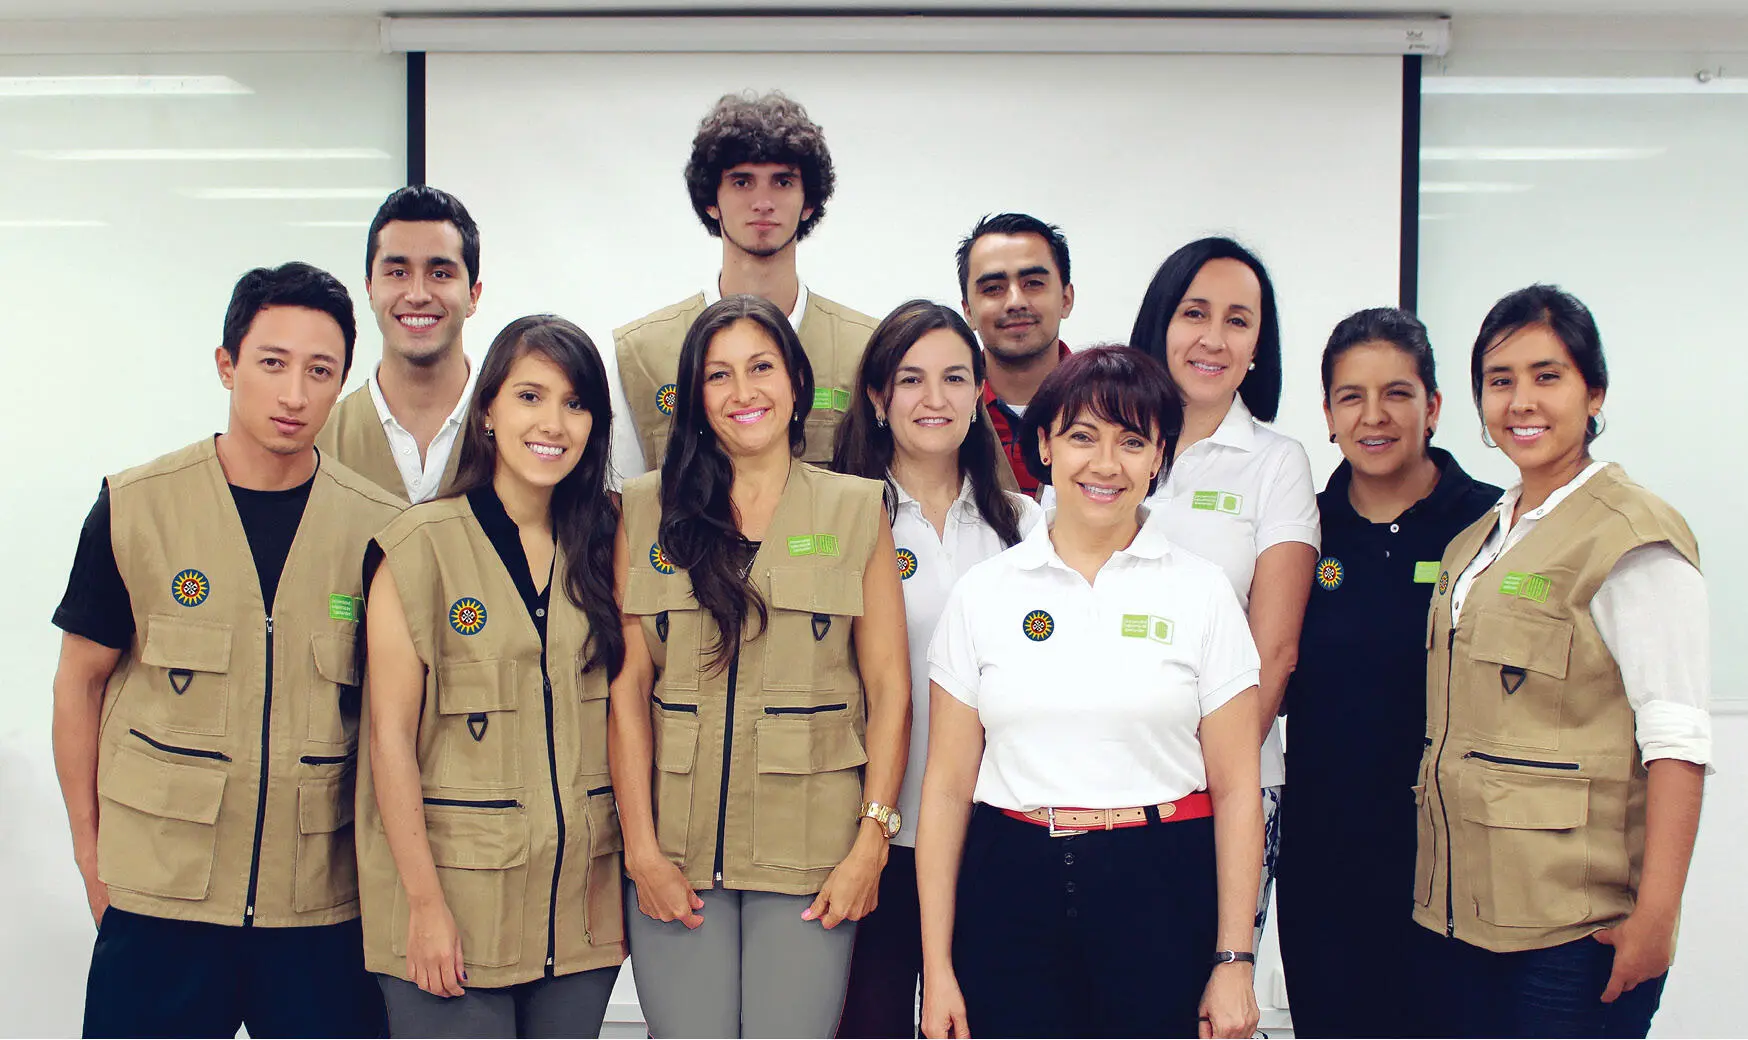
1091, 832
488, 842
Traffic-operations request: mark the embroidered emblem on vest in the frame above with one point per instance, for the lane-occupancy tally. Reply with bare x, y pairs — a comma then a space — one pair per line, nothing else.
342, 607
906, 564
1330, 573
659, 560
1038, 625
467, 615
813, 545
1533, 587
1444, 581
190, 587
1147, 626
665, 398
1218, 502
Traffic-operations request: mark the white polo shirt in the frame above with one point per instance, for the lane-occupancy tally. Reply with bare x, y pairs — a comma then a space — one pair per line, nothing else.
1091, 696
930, 565
423, 481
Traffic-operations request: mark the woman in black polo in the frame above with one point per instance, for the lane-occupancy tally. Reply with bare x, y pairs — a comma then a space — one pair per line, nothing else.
1357, 701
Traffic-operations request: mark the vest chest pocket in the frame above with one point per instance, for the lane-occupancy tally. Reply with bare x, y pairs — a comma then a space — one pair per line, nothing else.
159, 827
334, 699
478, 742
1524, 843
327, 868
1517, 679
481, 857
591, 709
673, 626
808, 647
675, 728
189, 685
807, 789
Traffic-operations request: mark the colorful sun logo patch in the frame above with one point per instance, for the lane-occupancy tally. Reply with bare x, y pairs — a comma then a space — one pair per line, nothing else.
1330, 573
659, 560
467, 615
665, 398
1038, 625
1444, 581
906, 564
190, 587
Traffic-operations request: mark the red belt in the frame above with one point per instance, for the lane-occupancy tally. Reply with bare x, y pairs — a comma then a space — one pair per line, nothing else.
1077, 821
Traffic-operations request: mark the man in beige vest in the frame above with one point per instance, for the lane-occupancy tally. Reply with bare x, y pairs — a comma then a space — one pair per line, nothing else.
206, 702
759, 178
402, 428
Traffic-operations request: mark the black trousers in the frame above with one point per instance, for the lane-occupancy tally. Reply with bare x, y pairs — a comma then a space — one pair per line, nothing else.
888, 961
1552, 992
1107, 933
152, 976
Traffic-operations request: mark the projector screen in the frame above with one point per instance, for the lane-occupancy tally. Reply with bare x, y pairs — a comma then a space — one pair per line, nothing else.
572, 163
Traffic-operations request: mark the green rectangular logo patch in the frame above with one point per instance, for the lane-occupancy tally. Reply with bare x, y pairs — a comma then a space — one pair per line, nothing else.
831, 397
1135, 626
801, 545
822, 397
345, 608
840, 400
1146, 626
1218, 502
1533, 587
1425, 572
813, 545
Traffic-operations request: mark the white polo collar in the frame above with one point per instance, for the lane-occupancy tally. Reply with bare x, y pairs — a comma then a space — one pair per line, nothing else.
1150, 542
455, 416
906, 499
713, 293
1237, 429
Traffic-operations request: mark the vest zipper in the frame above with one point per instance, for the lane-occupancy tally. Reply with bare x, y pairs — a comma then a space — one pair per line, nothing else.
558, 810
324, 760
174, 750
261, 794
727, 744
1444, 810
812, 710
1485, 757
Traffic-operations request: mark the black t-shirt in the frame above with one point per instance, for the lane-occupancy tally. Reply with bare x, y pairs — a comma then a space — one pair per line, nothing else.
96, 604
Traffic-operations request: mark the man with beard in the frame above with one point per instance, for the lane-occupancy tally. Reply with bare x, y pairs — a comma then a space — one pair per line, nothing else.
1013, 281
759, 178
402, 428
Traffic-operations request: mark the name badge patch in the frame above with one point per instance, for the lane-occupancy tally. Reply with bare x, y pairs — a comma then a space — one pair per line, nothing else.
1218, 502
830, 397
813, 545
1425, 572
1533, 587
1147, 626
345, 608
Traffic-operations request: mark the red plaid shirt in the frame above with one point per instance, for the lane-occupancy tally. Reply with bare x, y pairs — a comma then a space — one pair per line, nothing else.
1007, 427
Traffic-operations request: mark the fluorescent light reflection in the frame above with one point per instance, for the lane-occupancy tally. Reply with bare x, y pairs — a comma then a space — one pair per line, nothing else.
1471, 188
353, 224
1472, 154
279, 194
1582, 85
35, 222
118, 86
204, 154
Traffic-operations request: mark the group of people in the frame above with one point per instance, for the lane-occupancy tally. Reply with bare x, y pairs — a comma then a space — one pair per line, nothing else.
817, 658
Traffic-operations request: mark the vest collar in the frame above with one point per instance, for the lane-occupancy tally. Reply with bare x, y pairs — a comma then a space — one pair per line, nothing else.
1508, 501
713, 293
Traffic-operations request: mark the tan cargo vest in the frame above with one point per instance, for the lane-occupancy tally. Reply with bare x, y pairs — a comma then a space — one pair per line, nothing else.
214, 698
1531, 793
649, 360
782, 750
355, 436
530, 866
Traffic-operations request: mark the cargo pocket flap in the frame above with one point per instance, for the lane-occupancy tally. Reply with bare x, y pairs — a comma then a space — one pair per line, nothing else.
1520, 801
605, 835
591, 684
649, 591
676, 740
477, 839
1539, 644
165, 789
817, 591
474, 686
804, 746
336, 658
199, 646
323, 806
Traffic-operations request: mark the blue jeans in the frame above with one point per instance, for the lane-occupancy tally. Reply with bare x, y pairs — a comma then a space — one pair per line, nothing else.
1554, 992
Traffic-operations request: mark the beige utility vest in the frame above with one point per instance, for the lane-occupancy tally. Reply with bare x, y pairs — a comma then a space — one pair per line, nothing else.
768, 769
355, 436
1531, 793
512, 755
225, 759
649, 361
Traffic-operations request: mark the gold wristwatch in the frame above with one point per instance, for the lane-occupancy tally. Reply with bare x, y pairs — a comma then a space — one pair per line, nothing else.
885, 815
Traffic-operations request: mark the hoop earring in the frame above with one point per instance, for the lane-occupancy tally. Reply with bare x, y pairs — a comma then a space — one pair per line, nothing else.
1601, 425
880, 422
489, 432
1429, 431
1487, 440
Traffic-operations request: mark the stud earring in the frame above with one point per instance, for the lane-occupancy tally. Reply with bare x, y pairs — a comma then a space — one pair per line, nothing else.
1332, 438
880, 422
1252, 367
489, 432
1429, 430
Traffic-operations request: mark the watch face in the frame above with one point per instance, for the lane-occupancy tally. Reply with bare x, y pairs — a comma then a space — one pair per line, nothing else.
893, 824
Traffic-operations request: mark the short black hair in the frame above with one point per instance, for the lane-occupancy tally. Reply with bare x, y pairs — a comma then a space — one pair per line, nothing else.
288, 285
1012, 224
744, 128
1391, 325
418, 203
1261, 388
1122, 386
1560, 313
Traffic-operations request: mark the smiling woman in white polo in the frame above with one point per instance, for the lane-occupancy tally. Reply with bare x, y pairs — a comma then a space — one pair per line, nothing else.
1091, 825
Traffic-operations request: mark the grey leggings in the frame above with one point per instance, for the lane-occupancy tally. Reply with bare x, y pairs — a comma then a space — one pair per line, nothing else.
569, 1005
753, 968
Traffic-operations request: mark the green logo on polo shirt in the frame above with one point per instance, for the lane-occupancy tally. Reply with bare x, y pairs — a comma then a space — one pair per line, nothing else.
830, 397
1146, 626
813, 545
1218, 502
1533, 587
345, 608
1425, 572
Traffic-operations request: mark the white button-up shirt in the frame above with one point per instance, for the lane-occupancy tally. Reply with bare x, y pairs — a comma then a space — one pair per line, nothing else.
930, 565
423, 480
1091, 696
1652, 614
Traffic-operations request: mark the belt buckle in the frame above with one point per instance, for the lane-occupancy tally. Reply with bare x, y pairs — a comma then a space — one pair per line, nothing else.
1050, 818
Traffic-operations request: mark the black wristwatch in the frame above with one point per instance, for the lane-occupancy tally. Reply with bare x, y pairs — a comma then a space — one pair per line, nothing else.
1231, 956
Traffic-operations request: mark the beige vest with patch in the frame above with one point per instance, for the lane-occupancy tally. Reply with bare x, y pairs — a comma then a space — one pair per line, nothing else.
355, 436
218, 715
649, 360
528, 855
768, 768
1531, 793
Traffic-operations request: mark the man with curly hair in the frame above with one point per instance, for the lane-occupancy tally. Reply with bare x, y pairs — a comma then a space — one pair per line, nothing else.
759, 177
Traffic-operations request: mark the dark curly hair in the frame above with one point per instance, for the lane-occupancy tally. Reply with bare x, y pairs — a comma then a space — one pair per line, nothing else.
743, 128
